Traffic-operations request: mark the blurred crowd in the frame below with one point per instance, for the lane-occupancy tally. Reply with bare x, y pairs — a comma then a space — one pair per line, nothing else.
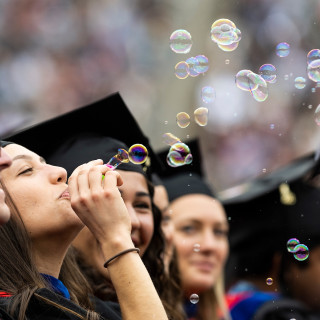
56, 56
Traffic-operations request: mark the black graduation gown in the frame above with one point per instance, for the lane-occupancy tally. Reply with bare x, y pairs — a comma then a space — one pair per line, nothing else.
40, 310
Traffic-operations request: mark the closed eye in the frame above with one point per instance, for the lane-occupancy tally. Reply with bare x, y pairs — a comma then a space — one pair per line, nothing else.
25, 171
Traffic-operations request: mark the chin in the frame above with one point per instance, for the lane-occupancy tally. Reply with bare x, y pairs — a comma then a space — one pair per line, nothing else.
200, 285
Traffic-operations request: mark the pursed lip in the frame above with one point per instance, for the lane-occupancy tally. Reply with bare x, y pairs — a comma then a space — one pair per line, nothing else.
65, 194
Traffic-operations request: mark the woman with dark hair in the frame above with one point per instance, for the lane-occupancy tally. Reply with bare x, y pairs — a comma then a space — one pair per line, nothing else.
38, 278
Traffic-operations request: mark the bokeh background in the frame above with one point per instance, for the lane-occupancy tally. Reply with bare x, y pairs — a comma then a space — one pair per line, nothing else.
58, 55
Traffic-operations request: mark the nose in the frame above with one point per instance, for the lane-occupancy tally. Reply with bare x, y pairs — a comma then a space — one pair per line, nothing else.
57, 174
208, 243
5, 160
135, 222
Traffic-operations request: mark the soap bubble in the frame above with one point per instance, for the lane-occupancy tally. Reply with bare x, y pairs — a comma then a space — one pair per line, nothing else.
268, 72
194, 298
181, 70
183, 119
207, 94
245, 80
269, 281
201, 116
203, 64
170, 139
193, 65
283, 49
314, 70
291, 244
300, 82
301, 252
314, 54
196, 247
177, 154
180, 41
260, 94
138, 153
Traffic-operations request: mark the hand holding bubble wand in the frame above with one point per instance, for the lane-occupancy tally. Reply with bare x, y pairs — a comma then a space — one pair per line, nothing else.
121, 157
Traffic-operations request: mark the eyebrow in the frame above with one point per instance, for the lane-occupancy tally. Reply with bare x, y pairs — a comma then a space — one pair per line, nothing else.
26, 157
139, 194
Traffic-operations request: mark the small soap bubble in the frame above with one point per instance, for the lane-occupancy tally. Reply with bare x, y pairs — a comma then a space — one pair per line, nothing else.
193, 65
177, 154
227, 61
286, 77
314, 54
203, 64
317, 115
138, 153
245, 81
283, 49
271, 126
313, 90
291, 244
268, 72
180, 41
260, 94
196, 247
299, 82
170, 139
166, 122
201, 116
301, 252
194, 298
314, 70
181, 70
183, 119
264, 170
269, 281
207, 94
310, 106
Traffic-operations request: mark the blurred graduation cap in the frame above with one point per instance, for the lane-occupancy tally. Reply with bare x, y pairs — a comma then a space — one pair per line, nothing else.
95, 131
186, 179
264, 213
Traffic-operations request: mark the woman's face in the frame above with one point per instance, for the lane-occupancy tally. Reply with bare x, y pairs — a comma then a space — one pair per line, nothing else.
5, 162
201, 241
137, 199
39, 193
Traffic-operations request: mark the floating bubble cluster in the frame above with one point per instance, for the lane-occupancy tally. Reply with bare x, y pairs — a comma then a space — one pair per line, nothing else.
194, 298
249, 81
201, 116
207, 94
179, 154
192, 66
300, 82
283, 49
300, 251
268, 72
138, 153
183, 119
180, 41
225, 33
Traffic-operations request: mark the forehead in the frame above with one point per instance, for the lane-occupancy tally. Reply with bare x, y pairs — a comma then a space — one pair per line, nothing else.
197, 207
14, 150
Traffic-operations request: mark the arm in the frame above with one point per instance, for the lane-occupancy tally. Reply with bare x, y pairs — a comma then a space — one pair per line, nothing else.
101, 208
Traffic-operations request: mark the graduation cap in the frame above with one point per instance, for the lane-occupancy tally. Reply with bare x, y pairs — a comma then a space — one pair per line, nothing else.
186, 179
95, 131
264, 213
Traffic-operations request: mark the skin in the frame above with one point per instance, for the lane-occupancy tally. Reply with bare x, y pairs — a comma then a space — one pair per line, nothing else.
54, 213
137, 200
201, 241
5, 162
161, 200
304, 283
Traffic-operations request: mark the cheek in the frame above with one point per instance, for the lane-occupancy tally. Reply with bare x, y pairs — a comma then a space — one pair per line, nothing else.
147, 226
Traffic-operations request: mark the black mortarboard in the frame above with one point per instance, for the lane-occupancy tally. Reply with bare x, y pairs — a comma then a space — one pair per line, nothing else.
91, 132
262, 211
186, 179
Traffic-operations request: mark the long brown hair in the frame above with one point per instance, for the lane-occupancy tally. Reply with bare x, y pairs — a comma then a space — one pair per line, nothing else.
167, 290
19, 275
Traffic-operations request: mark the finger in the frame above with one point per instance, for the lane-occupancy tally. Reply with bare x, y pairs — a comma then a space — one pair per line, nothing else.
112, 179
95, 180
83, 182
90, 163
